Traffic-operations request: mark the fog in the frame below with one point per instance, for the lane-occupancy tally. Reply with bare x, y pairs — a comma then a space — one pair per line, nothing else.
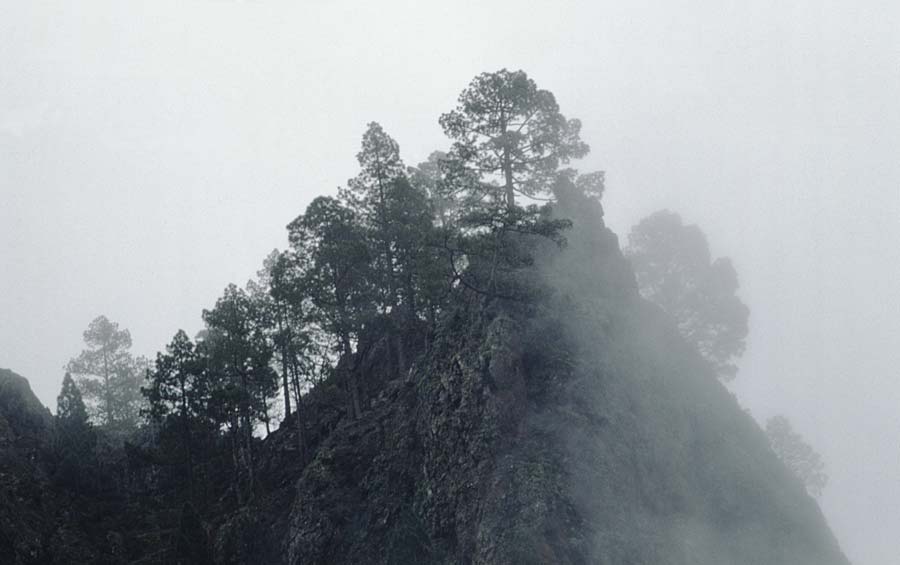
151, 154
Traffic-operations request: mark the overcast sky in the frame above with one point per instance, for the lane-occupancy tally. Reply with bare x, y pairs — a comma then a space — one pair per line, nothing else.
153, 153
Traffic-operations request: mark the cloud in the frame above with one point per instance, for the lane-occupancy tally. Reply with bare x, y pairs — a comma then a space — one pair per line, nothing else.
23, 120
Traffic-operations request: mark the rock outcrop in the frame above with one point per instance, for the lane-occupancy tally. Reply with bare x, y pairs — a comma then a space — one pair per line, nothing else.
36, 526
573, 428
576, 429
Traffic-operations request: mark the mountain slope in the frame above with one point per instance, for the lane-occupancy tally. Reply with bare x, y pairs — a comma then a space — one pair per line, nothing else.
36, 525
577, 429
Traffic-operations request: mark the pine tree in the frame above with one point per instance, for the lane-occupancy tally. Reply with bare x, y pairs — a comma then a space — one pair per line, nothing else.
74, 439
329, 247
178, 396
70, 408
110, 376
675, 271
301, 344
237, 358
509, 139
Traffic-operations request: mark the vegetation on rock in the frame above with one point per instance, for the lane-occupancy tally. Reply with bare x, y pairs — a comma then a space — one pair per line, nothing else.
468, 375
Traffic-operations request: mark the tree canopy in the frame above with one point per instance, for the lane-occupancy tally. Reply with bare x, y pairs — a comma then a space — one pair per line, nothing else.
674, 270
510, 138
109, 375
797, 454
74, 438
69, 404
374, 267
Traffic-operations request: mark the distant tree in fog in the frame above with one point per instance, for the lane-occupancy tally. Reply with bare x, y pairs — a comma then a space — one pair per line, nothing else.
109, 376
429, 177
797, 455
674, 270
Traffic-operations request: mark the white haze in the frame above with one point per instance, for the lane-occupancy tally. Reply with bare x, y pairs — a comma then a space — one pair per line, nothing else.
151, 153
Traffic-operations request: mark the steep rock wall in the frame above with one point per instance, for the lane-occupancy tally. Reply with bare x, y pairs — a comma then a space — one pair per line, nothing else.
579, 428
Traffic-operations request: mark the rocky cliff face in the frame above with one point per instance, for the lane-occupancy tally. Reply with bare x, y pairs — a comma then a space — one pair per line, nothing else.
576, 428
36, 525
23, 427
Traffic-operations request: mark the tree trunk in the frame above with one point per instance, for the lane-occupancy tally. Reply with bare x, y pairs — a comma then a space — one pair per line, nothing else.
251, 475
236, 480
295, 379
510, 191
106, 391
383, 222
188, 440
284, 370
352, 382
508, 173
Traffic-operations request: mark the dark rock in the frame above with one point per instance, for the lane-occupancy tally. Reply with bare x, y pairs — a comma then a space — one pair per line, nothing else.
192, 542
574, 428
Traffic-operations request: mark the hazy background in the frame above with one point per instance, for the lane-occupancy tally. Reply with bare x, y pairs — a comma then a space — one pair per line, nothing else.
150, 154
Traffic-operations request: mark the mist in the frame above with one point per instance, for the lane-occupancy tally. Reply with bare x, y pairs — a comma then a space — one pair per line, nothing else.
150, 155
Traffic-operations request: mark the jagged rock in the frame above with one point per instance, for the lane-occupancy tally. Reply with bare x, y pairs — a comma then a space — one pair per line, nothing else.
192, 542
33, 527
574, 428
580, 429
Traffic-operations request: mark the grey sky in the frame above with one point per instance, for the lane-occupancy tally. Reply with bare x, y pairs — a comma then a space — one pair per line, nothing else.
150, 154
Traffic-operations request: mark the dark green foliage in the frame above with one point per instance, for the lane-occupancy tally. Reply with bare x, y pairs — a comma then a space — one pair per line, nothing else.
301, 342
467, 376
74, 439
70, 407
177, 386
273, 317
422, 269
371, 258
398, 216
510, 138
178, 394
237, 356
369, 193
674, 270
330, 250
302, 348
373, 195
331, 260
490, 261
32, 526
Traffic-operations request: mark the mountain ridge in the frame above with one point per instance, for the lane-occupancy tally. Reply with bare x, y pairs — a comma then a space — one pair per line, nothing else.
576, 427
